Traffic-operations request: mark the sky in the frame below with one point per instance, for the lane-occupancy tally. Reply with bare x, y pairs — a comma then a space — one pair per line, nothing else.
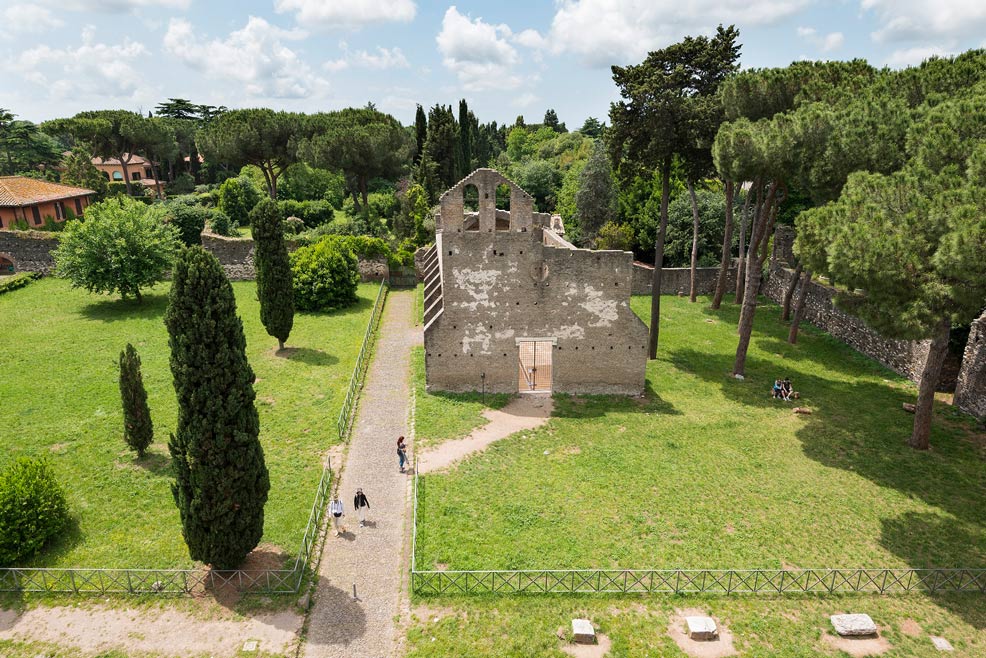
507, 58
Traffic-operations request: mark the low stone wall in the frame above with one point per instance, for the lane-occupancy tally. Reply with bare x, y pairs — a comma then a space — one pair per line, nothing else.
29, 251
905, 357
970, 390
677, 280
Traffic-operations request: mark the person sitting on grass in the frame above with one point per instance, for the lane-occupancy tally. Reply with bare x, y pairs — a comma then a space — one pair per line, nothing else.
778, 390
788, 389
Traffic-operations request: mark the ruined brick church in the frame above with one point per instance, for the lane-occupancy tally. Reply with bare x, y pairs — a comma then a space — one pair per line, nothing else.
511, 306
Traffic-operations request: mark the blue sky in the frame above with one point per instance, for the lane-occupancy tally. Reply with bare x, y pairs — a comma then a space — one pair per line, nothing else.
506, 58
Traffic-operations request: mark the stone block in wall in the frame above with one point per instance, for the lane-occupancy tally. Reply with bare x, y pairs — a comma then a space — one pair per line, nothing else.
783, 254
373, 269
970, 390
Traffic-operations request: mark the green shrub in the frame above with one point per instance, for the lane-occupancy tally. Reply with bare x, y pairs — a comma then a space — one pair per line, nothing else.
32, 509
182, 184
313, 213
185, 214
220, 223
326, 275
19, 280
20, 225
115, 188
293, 226
237, 197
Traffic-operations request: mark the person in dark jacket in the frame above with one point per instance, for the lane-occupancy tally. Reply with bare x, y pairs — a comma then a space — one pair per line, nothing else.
361, 504
401, 453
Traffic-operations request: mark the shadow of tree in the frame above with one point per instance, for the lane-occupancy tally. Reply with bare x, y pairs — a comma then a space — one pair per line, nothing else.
595, 406
113, 310
308, 356
927, 541
336, 619
56, 548
156, 463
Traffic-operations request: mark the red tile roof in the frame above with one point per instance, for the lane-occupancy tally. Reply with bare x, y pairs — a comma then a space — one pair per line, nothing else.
134, 160
16, 191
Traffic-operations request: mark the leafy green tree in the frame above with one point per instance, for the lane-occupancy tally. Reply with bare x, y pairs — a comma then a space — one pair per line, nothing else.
712, 212
260, 137
442, 146
274, 287
237, 197
110, 133
303, 183
121, 247
81, 172
654, 123
23, 147
516, 143
592, 127
326, 276
188, 217
615, 236
138, 429
541, 180
595, 201
412, 222
551, 121
155, 138
361, 143
221, 480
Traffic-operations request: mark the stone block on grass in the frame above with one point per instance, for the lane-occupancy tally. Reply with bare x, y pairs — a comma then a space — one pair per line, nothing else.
853, 625
583, 631
702, 629
941, 643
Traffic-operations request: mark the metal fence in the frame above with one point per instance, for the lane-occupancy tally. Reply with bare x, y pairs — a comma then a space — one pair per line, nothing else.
188, 581
700, 581
362, 361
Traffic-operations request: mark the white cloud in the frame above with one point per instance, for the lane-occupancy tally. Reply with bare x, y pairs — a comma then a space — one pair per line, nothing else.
525, 100
604, 32
255, 56
93, 69
27, 19
117, 5
530, 39
478, 52
903, 20
913, 56
351, 13
383, 58
825, 43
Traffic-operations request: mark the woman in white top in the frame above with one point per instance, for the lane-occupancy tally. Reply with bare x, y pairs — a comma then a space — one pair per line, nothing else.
335, 509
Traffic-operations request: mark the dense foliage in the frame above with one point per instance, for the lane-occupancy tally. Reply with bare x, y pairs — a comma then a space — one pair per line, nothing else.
274, 288
121, 247
326, 275
138, 429
221, 480
33, 509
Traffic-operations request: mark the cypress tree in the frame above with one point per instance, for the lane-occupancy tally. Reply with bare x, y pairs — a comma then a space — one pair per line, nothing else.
420, 132
138, 430
465, 139
221, 480
274, 287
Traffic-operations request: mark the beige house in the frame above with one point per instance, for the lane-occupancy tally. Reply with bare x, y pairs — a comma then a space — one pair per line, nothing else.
32, 201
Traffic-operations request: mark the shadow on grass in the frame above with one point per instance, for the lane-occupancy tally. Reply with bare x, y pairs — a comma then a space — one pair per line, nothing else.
595, 406
113, 310
362, 304
53, 551
155, 463
489, 400
308, 356
931, 541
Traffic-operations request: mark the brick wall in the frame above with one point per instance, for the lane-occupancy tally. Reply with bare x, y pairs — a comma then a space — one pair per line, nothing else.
677, 280
970, 390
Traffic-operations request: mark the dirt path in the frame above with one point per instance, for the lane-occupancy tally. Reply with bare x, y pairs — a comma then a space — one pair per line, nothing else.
370, 557
522, 413
96, 629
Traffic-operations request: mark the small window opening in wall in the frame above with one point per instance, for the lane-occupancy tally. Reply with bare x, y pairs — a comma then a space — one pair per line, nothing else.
617, 284
470, 198
450, 252
521, 252
593, 347
502, 198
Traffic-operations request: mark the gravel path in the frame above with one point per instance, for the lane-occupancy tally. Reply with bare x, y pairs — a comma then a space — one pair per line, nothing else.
370, 557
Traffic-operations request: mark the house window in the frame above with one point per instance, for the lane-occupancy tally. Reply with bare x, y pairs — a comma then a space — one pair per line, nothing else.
117, 175
105, 174
78, 206
37, 215
135, 176
59, 210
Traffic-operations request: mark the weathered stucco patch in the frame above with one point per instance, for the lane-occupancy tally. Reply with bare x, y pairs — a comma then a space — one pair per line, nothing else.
477, 284
481, 336
604, 309
570, 331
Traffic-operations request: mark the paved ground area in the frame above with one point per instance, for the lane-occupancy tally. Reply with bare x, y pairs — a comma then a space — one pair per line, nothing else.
370, 557
522, 413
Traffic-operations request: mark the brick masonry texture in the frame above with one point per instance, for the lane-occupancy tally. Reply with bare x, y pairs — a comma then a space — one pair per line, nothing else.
970, 391
677, 280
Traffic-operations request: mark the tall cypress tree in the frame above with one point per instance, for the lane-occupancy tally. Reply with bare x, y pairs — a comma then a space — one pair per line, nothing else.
465, 139
420, 132
274, 288
138, 430
221, 480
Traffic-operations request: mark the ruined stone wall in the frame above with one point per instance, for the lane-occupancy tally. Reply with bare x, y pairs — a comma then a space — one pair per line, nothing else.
677, 280
504, 285
29, 251
970, 390
904, 357
783, 253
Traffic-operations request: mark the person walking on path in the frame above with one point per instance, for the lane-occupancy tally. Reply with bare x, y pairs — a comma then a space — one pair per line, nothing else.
401, 453
361, 504
335, 509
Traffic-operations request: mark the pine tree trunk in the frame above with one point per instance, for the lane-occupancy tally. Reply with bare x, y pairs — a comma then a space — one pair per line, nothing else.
924, 409
157, 181
655, 295
789, 293
741, 264
692, 292
799, 308
763, 224
727, 249
126, 174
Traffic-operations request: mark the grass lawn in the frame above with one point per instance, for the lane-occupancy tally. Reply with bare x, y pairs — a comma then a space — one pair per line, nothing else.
710, 472
60, 398
788, 627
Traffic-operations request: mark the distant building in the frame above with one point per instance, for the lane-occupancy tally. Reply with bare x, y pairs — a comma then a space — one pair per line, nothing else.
32, 201
138, 168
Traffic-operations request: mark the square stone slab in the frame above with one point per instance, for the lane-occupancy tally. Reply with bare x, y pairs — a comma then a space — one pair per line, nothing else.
941, 643
856, 625
250, 646
583, 631
702, 628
